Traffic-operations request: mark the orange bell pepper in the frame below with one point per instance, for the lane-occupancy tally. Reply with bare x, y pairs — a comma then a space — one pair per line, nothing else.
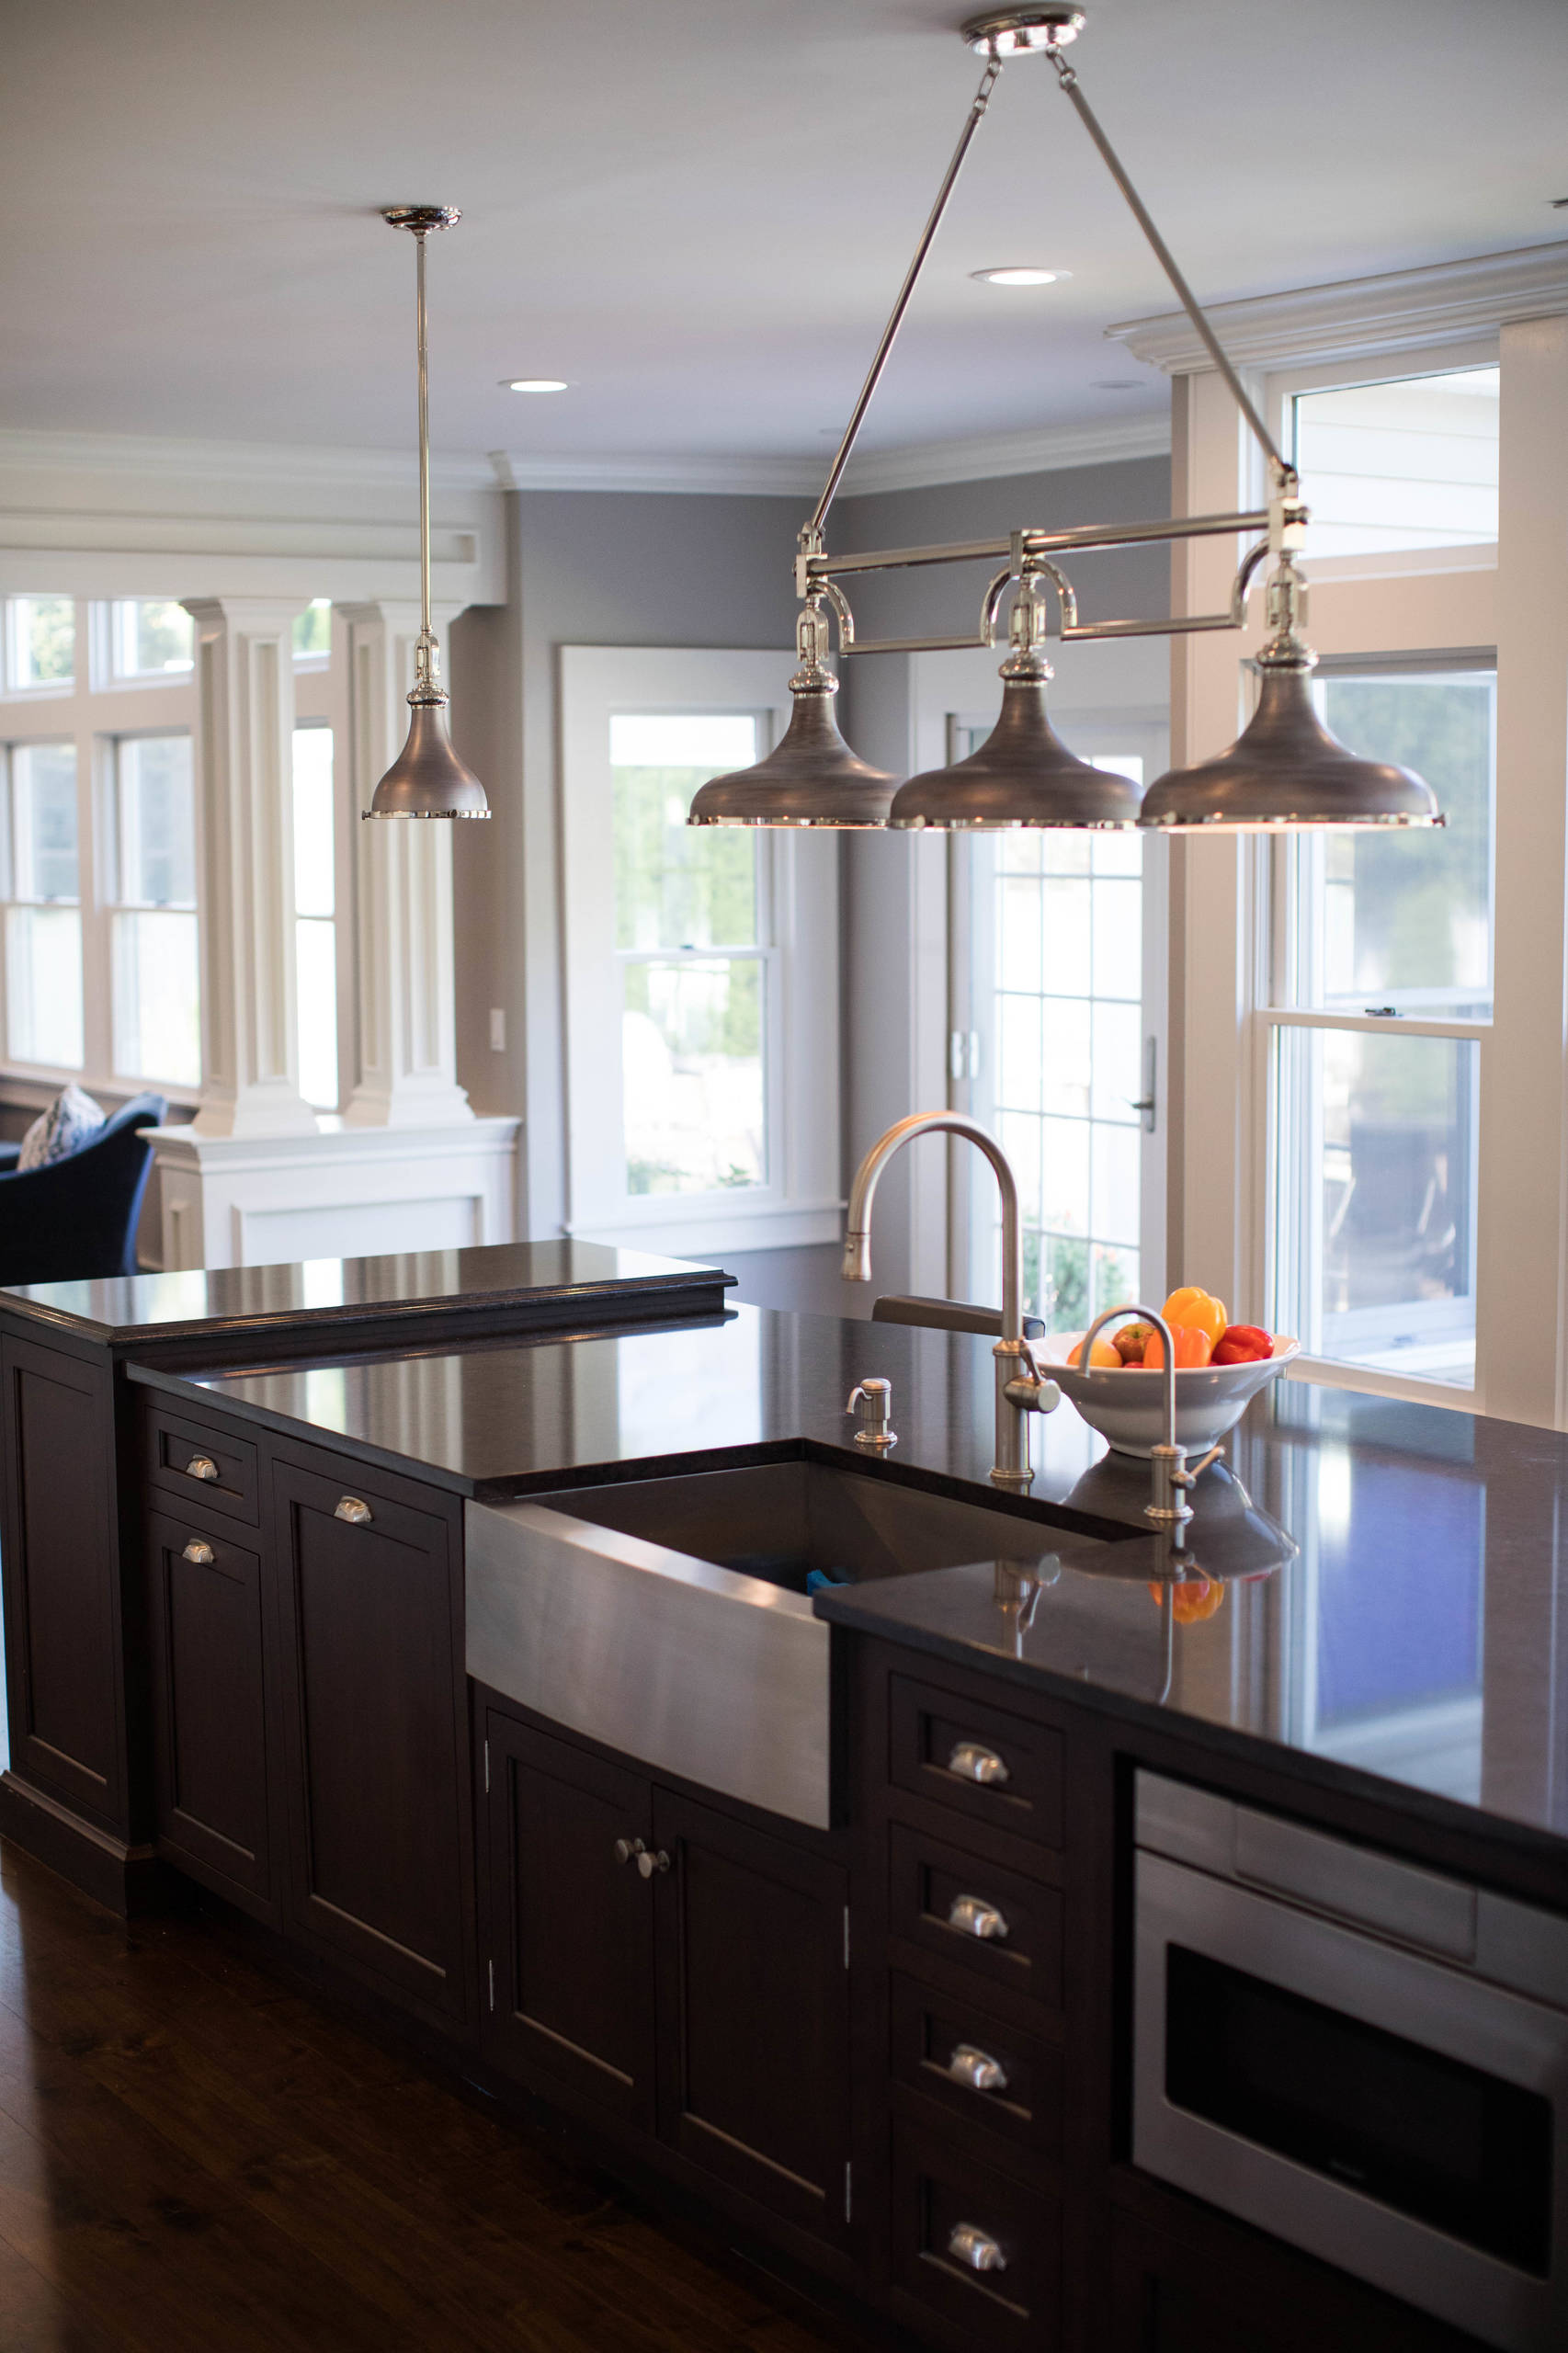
1191, 1601
1193, 1348
1242, 1344
1199, 1308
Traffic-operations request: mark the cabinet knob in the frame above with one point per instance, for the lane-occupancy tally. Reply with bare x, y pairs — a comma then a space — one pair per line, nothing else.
974, 1917
977, 2069
648, 1864
626, 1849
201, 1466
351, 1509
967, 2244
198, 1551
972, 1761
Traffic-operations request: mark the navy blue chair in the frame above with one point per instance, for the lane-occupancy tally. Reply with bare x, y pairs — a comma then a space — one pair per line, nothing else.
78, 1216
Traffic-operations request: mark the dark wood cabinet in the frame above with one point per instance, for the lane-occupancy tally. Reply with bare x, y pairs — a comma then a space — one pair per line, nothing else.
753, 2010
65, 1675
369, 1614
569, 1971
212, 1755
678, 1967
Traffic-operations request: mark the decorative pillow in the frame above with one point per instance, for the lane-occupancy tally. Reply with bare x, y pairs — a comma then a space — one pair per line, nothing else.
71, 1121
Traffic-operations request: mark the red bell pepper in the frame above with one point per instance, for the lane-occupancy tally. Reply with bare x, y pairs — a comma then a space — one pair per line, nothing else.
1242, 1344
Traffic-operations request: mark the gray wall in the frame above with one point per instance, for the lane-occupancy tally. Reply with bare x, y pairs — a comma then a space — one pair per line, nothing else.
626, 569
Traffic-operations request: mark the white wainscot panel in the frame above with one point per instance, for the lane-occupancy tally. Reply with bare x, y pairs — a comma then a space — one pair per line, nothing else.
346, 1192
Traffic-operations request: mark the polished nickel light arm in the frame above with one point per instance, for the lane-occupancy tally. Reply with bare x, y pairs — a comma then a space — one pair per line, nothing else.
811, 536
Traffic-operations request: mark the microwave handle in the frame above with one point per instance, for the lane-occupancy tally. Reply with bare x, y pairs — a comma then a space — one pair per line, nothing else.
1356, 1884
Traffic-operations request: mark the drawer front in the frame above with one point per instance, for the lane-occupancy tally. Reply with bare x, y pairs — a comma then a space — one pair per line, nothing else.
210, 1731
976, 2067
972, 2246
1004, 1928
978, 1760
202, 1467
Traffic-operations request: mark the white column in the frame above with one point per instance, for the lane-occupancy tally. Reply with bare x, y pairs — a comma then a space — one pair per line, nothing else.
245, 675
1522, 1271
408, 1074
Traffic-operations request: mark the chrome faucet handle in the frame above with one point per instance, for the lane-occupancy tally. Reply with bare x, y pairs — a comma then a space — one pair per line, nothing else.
1186, 1478
874, 1397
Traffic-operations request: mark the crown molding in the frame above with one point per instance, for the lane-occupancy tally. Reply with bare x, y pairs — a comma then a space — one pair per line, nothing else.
923, 465
1043, 449
716, 477
164, 458
1404, 308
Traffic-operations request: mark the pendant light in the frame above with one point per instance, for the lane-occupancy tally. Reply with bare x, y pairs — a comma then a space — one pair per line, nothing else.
811, 777
1023, 774
1286, 769
426, 780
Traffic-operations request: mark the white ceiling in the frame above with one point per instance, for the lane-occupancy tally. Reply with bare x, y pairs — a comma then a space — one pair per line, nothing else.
697, 210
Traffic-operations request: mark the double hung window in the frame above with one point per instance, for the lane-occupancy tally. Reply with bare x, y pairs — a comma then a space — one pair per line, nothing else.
156, 972
43, 911
701, 966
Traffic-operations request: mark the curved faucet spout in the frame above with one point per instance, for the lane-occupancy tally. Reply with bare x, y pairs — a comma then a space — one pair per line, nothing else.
1019, 1389
857, 1265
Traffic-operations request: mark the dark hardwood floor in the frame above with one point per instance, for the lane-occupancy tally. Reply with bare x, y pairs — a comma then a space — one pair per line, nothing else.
194, 2157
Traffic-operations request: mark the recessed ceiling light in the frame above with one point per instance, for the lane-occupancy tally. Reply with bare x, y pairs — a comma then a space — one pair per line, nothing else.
536, 385
1020, 274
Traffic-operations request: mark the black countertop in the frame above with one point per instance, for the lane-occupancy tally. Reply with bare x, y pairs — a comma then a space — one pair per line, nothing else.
575, 1279
1409, 1628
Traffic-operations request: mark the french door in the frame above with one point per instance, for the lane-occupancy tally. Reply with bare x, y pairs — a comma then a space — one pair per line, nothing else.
1058, 1043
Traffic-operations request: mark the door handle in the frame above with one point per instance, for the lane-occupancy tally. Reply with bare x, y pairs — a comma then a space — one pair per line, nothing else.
357, 1514
648, 1864
628, 1850
973, 1917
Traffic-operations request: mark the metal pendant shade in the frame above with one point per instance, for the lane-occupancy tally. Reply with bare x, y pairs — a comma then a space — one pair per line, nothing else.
1022, 775
810, 777
428, 780
1285, 769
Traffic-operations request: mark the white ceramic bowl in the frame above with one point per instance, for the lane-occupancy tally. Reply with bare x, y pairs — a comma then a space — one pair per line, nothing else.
1127, 1408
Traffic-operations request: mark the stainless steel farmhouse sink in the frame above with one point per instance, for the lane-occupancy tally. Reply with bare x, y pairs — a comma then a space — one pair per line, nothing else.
669, 1618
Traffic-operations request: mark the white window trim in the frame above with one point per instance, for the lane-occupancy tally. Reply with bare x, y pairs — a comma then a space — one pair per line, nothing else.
1221, 887
802, 1201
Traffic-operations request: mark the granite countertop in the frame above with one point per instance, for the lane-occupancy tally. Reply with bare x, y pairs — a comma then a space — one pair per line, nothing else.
205, 1302
1392, 1594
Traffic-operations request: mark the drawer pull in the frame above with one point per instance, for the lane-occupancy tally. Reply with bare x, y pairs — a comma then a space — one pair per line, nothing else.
351, 1509
967, 2244
199, 1552
977, 2069
973, 1917
201, 1466
972, 1762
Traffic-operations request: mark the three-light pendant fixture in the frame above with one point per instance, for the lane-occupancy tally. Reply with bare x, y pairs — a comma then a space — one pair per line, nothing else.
1284, 770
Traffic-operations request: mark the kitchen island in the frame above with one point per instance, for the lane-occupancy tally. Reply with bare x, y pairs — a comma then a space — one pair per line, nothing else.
884, 2032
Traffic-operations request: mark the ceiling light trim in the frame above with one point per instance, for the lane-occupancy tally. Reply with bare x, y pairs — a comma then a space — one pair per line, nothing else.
1403, 309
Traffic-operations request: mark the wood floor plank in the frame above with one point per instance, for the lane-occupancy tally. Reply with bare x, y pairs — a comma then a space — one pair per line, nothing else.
194, 2155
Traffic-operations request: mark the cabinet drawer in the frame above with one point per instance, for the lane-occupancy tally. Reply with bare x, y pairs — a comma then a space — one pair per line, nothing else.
977, 1759
976, 2067
975, 2248
209, 1717
1003, 1926
201, 1466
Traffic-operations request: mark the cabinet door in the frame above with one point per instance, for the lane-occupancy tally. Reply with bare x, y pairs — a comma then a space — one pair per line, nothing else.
209, 1724
62, 1602
570, 1919
370, 1607
753, 2011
